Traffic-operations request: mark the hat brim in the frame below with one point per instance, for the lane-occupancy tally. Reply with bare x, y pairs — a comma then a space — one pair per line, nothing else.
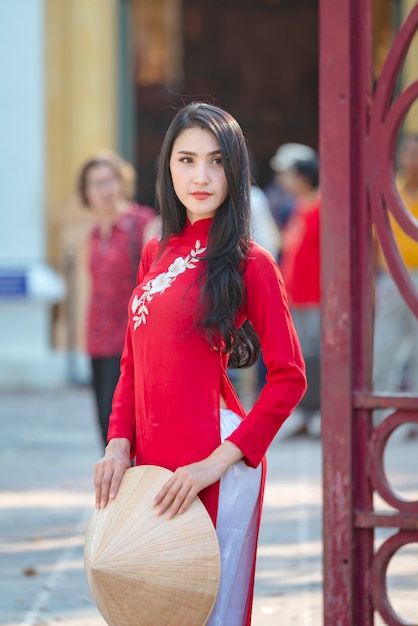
275, 165
145, 569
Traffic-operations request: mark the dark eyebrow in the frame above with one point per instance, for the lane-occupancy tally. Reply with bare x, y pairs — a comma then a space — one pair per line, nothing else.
188, 152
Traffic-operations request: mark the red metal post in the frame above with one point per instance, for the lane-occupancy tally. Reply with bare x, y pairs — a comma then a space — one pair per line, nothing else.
358, 130
336, 128
362, 305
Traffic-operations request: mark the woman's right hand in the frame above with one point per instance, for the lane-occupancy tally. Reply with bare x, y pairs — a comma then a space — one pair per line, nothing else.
109, 470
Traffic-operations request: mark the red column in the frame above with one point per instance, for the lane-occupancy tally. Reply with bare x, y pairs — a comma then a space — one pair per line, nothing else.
345, 30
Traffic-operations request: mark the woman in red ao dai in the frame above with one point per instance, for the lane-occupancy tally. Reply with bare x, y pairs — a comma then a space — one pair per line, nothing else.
207, 297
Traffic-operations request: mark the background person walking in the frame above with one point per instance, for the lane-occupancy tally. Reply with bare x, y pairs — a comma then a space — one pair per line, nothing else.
395, 362
106, 185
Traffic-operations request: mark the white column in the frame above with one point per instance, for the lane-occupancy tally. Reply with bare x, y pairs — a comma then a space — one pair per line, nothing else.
28, 287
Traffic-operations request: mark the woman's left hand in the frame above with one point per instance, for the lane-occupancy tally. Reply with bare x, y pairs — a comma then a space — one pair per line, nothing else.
179, 492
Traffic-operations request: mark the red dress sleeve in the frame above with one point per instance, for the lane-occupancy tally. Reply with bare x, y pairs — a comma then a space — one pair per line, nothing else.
122, 417
267, 310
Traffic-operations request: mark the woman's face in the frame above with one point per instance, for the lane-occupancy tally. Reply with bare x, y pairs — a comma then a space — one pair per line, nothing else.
103, 189
197, 173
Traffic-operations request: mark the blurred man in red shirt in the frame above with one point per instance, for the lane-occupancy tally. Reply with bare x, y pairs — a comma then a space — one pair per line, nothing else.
300, 266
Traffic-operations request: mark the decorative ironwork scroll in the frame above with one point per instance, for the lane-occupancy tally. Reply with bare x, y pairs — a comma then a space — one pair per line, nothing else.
359, 128
386, 117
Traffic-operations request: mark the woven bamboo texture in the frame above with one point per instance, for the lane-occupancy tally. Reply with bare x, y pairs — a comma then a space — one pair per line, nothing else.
145, 570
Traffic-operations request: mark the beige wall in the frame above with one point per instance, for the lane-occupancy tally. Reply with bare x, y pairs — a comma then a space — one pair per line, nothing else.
81, 118
383, 34
410, 74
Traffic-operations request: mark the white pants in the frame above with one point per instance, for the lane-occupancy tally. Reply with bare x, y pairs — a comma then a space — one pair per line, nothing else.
307, 321
395, 338
236, 528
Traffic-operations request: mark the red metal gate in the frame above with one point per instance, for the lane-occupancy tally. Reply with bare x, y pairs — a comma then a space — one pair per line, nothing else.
359, 124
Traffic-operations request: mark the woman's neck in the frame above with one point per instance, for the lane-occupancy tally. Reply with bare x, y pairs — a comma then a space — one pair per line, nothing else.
309, 197
105, 220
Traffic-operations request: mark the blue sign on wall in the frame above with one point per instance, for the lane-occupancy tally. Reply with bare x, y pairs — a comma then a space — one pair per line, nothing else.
12, 284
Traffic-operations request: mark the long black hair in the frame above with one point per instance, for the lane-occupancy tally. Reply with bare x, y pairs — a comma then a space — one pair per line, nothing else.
223, 291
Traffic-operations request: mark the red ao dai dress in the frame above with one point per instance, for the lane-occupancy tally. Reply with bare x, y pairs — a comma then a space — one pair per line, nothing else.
167, 401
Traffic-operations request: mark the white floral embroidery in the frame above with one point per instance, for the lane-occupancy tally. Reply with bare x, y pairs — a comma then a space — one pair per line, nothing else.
178, 267
161, 282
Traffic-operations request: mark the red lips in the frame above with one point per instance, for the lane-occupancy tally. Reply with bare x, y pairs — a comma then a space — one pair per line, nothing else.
201, 195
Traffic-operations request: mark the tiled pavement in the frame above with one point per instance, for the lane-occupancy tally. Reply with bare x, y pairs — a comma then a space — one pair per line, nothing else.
49, 445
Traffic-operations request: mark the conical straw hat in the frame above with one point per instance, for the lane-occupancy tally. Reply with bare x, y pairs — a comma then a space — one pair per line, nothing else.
145, 570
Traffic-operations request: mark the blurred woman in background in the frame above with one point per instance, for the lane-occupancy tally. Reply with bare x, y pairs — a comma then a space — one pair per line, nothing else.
106, 185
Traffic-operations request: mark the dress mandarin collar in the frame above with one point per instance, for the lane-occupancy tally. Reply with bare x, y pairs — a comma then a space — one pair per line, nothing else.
199, 227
